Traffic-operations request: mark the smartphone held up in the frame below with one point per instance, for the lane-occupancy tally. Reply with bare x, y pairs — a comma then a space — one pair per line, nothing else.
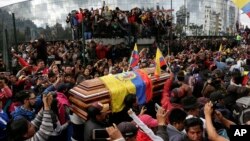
100, 135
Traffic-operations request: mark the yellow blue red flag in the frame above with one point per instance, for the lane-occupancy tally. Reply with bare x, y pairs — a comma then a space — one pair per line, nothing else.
159, 62
134, 59
132, 82
219, 52
221, 47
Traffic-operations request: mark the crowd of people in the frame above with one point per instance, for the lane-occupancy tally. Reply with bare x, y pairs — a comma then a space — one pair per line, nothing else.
208, 80
208, 88
107, 23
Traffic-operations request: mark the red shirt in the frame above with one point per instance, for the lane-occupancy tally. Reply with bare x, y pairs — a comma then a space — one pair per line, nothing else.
132, 19
79, 17
165, 101
245, 80
5, 94
101, 51
34, 69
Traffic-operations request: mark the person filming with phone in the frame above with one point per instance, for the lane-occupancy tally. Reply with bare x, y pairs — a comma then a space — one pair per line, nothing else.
40, 129
97, 120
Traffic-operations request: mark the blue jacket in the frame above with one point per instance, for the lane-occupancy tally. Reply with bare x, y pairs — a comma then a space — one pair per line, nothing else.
21, 112
4, 119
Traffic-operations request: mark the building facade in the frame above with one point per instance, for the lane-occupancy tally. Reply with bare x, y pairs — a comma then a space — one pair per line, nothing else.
218, 17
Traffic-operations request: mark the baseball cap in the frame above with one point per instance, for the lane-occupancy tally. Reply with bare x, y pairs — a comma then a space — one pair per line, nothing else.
148, 120
127, 129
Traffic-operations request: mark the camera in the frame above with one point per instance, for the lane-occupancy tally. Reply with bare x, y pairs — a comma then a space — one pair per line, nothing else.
54, 101
215, 106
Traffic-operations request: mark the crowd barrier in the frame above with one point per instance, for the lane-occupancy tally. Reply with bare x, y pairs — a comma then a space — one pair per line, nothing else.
115, 41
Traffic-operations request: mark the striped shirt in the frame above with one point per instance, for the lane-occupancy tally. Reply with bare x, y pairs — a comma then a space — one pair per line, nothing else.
43, 122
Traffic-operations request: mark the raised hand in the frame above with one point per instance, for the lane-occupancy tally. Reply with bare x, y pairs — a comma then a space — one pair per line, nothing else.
114, 132
208, 109
161, 116
47, 100
143, 110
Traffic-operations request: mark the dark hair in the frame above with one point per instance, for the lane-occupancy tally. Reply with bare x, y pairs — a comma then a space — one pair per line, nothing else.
191, 122
22, 95
68, 75
93, 112
189, 103
42, 41
54, 104
236, 74
243, 91
16, 129
68, 65
51, 74
174, 85
39, 60
53, 107
246, 117
2, 78
129, 100
181, 76
177, 115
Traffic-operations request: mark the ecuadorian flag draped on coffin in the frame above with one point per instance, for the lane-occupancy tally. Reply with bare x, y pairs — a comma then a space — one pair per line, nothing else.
132, 82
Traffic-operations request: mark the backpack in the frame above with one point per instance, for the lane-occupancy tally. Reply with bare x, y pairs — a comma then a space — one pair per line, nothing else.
242, 108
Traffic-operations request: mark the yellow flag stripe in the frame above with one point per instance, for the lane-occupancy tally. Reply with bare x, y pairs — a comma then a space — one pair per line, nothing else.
157, 62
240, 3
118, 91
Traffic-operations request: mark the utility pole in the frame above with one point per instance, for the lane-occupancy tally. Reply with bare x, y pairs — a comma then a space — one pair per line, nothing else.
6, 39
14, 27
6, 51
2, 32
171, 32
186, 19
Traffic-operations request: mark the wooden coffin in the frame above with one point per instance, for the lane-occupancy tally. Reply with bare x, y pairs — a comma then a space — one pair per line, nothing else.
90, 91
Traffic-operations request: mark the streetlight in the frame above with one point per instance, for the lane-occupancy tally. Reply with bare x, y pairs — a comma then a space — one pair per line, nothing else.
14, 27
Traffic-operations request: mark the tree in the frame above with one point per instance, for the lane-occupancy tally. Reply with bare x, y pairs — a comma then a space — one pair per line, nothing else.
27, 33
20, 35
179, 29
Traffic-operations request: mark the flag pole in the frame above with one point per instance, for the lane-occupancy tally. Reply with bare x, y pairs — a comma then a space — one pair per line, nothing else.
168, 57
130, 59
168, 52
